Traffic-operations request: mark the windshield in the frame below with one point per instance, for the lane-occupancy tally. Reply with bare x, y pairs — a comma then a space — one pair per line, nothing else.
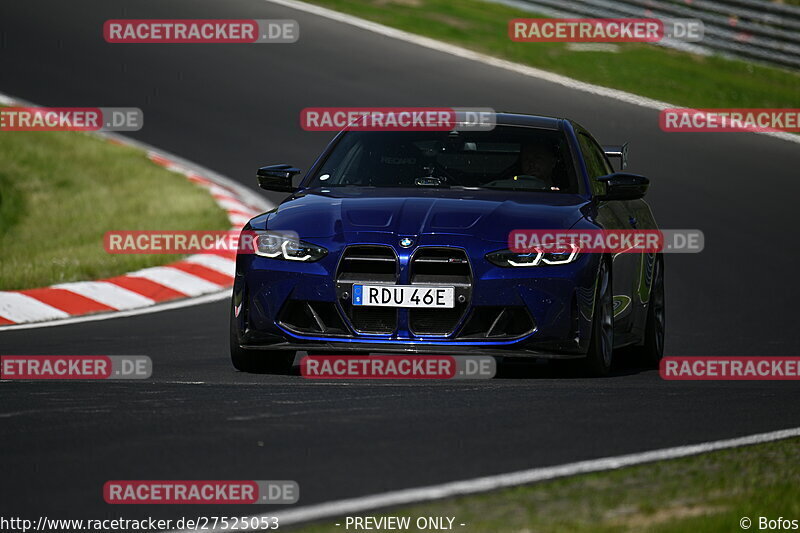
508, 157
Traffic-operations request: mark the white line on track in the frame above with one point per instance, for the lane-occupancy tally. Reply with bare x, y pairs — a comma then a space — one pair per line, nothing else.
519, 68
511, 479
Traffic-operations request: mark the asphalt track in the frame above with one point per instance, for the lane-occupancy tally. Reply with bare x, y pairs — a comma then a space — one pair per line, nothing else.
235, 107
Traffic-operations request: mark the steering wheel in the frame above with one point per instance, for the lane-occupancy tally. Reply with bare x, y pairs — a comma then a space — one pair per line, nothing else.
448, 177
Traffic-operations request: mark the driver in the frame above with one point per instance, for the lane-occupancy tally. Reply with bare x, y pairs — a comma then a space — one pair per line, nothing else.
537, 160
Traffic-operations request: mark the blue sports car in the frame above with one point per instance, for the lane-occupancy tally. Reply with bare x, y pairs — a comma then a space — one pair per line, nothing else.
398, 242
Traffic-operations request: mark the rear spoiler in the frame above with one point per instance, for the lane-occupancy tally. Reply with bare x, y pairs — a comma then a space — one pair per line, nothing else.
620, 152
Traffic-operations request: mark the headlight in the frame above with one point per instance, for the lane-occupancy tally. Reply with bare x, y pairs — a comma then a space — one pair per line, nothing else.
286, 246
539, 257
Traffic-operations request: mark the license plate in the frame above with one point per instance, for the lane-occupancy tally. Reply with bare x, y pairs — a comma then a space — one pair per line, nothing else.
403, 296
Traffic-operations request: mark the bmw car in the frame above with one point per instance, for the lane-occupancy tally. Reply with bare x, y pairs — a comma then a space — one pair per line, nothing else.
397, 242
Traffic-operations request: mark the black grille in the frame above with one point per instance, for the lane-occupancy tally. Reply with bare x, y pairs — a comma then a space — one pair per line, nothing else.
434, 321
374, 319
440, 266
367, 263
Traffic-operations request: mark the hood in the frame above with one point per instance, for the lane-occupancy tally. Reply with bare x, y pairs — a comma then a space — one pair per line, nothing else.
487, 215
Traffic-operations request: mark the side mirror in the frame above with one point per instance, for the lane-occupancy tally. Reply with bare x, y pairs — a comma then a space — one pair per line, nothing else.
623, 186
277, 178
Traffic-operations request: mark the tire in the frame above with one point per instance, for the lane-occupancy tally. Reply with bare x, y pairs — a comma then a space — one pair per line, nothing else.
258, 361
651, 352
601, 346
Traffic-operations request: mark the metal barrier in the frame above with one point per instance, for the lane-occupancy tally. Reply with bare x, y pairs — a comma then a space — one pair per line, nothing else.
753, 29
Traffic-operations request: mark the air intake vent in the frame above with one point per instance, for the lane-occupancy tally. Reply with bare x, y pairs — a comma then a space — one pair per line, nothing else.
497, 323
306, 317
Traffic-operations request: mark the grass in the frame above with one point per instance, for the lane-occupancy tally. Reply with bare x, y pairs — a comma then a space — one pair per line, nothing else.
61, 191
704, 493
677, 77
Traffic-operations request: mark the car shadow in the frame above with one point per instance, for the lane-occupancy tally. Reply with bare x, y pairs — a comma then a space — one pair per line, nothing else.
625, 364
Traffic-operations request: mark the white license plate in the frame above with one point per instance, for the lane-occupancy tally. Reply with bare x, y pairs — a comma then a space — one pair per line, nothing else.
403, 296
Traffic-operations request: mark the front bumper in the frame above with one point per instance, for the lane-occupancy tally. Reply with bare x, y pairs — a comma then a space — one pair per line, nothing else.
275, 295
408, 348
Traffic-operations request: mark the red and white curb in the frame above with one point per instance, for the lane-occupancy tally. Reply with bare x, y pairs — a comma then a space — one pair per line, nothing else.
196, 279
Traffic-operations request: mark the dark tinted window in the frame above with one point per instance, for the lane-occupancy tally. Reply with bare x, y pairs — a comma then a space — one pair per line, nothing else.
596, 163
595, 158
507, 157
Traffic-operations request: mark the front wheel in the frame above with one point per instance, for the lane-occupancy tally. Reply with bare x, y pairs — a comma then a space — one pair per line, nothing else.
652, 350
601, 346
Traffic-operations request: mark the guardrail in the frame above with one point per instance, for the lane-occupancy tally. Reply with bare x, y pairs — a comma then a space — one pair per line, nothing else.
753, 29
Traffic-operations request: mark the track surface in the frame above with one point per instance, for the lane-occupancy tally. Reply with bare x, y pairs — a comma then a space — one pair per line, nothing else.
234, 108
